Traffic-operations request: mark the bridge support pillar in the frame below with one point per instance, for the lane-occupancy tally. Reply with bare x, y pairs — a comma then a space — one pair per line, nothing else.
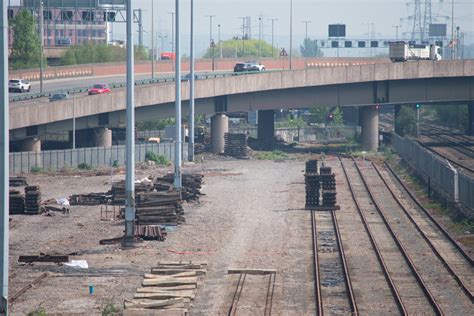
266, 128
470, 128
103, 137
369, 119
219, 126
30, 144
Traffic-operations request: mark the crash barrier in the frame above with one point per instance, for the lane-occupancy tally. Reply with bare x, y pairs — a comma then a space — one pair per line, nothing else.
455, 186
94, 157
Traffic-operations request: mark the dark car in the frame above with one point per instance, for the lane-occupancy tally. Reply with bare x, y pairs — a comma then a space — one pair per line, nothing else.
249, 66
59, 96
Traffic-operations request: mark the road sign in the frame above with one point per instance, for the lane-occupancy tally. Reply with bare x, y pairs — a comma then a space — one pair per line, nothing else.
283, 53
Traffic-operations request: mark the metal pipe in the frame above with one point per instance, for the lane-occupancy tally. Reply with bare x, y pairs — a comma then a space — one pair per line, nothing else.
210, 26
219, 40
130, 139
452, 29
4, 154
73, 121
191, 89
273, 34
41, 34
172, 30
178, 153
291, 33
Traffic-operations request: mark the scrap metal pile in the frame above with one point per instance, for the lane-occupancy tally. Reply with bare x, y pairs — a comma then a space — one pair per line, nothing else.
171, 287
235, 145
29, 203
18, 182
320, 184
89, 199
17, 202
192, 184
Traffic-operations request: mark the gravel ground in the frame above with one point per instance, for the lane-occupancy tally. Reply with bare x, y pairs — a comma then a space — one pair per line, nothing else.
250, 217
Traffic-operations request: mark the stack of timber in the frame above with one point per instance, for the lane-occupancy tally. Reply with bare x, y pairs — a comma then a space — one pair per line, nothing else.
191, 188
235, 145
170, 287
17, 203
32, 200
328, 180
18, 182
118, 191
89, 199
312, 184
150, 232
159, 208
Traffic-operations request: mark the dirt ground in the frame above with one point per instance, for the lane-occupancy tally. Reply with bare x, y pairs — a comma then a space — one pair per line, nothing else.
251, 216
249, 219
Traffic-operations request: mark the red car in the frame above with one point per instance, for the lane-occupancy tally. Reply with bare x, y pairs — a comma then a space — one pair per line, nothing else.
99, 89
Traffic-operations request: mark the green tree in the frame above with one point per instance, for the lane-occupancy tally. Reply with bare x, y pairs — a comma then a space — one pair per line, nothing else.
26, 47
237, 48
406, 121
310, 48
455, 116
320, 115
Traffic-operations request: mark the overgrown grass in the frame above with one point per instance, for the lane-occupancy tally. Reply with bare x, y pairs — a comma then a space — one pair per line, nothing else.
84, 166
272, 155
157, 159
39, 312
109, 309
36, 169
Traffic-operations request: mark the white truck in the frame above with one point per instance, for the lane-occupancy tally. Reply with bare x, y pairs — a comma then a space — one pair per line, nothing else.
401, 51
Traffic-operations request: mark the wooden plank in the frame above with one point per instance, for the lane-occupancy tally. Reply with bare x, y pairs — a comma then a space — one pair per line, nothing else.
151, 289
178, 275
252, 271
163, 295
178, 263
173, 288
152, 304
172, 311
176, 271
170, 282
184, 266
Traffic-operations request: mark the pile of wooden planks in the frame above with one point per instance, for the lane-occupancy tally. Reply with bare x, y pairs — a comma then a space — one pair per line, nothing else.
17, 202
118, 190
32, 200
159, 208
89, 199
171, 287
235, 145
191, 189
18, 181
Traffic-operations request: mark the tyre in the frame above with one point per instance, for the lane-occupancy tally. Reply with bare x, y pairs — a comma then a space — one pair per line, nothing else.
29, 89
22, 90
263, 69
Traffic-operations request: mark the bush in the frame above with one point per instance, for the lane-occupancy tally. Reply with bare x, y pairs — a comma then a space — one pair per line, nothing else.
84, 166
157, 159
36, 169
109, 309
39, 312
273, 155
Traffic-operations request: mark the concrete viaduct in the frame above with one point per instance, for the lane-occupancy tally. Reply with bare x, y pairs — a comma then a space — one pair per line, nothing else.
362, 86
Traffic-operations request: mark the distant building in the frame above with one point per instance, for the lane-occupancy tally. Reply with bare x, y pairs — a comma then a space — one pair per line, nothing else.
72, 22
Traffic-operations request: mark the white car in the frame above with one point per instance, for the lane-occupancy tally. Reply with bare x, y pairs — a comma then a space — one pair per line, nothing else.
19, 85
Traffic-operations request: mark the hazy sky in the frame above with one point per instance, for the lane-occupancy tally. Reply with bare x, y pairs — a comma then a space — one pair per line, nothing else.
357, 15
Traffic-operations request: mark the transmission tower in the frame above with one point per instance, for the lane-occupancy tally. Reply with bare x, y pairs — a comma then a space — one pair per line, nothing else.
417, 25
427, 20
420, 20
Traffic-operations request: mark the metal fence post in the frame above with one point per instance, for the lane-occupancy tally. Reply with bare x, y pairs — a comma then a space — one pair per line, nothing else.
455, 184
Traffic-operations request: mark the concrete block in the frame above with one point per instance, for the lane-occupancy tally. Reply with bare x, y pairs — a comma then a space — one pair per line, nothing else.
410, 70
353, 74
456, 68
367, 73
382, 72
469, 67
396, 71
426, 69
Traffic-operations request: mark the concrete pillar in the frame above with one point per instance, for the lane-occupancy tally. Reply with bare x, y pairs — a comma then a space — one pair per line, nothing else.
470, 128
219, 126
395, 119
103, 137
30, 144
266, 128
369, 119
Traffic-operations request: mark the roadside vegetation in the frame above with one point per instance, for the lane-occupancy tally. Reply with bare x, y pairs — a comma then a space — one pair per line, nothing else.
155, 125
236, 48
26, 46
275, 155
159, 160
99, 53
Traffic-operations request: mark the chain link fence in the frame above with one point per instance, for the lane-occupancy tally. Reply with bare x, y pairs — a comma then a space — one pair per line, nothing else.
95, 157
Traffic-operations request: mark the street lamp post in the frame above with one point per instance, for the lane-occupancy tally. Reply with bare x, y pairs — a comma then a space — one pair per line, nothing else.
152, 39
41, 31
219, 40
273, 45
178, 143
243, 35
307, 22
210, 26
4, 154
162, 37
191, 89
291, 33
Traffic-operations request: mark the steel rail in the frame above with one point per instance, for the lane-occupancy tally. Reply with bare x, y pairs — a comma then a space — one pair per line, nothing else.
317, 276
402, 249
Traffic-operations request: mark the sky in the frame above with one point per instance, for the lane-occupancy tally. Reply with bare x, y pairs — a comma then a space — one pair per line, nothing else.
361, 17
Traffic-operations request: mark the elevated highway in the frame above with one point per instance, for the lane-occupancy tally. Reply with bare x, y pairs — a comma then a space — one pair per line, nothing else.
355, 85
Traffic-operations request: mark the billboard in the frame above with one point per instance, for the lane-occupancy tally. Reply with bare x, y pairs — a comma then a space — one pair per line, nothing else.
337, 30
437, 30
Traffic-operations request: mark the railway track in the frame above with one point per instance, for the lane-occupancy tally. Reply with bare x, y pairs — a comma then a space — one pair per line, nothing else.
333, 287
441, 276
408, 288
270, 290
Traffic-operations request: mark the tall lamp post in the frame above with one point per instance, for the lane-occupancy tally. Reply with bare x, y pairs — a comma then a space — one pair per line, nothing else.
210, 26
219, 40
172, 30
291, 33
153, 54
273, 33
128, 239
396, 31
4, 154
306, 22
178, 143
41, 35
191, 89
243, 35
